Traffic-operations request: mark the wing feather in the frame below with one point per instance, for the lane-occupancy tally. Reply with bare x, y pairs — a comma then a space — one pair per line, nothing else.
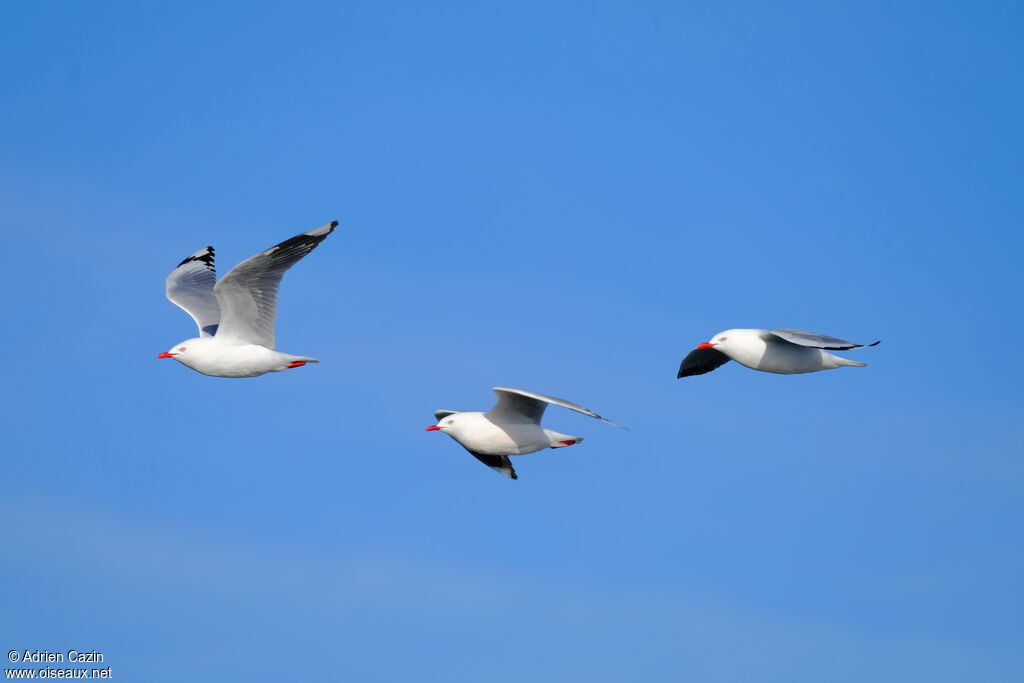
816, 341
190, 287
529, 405
498, 463
248, 294
701, 362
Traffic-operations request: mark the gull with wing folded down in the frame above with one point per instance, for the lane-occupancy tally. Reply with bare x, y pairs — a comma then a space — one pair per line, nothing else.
236, 315
783, 351
511, 427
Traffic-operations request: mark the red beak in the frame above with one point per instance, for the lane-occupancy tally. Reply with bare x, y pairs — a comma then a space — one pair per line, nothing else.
705, 345
166, 354
433, 428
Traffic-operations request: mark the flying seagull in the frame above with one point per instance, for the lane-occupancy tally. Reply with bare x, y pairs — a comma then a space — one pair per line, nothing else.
783, 351
236, 315
511, 427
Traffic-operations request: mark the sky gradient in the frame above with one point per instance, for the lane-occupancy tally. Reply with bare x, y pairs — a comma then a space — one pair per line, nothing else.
563, 197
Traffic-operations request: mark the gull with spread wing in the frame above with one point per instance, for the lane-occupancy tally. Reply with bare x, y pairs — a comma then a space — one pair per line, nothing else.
236, 315
511, 427
783, 351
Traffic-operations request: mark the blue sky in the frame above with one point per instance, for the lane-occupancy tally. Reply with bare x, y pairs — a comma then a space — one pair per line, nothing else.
564, 197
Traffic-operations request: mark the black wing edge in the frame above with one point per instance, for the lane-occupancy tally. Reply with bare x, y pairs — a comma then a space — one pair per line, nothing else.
701, 362
847, 348
304, 242
817, 341
498, 463
206, 258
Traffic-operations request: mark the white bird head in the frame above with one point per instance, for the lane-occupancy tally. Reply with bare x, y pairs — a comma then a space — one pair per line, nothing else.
182, 351
449, 424
458, 425
729, 339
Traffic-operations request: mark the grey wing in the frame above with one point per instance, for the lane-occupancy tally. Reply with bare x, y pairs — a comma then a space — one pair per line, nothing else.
512, 402
441, 414
498, 463
701, 361
190, 287
817, 341
248, 294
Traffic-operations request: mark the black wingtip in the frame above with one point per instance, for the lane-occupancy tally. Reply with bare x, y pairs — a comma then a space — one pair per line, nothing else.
700, 362
206, 258
514, 475
334, 224
876, 343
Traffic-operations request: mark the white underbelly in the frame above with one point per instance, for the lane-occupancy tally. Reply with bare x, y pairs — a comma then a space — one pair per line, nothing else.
249, 360
507, 439
786, 359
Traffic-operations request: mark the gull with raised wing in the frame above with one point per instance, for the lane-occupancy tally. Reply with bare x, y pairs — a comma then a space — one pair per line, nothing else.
511, 427
236, 315
783, 351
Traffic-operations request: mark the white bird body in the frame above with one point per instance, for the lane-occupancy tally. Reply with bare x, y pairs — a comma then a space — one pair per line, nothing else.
511, 427
236, 315
476, 432
782, 351
756, 349
219, 357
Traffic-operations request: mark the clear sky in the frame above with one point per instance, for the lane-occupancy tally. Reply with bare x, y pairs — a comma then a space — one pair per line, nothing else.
564, 197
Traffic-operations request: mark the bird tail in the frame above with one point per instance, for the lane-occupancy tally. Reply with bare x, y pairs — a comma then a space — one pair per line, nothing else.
291, 361
562, 440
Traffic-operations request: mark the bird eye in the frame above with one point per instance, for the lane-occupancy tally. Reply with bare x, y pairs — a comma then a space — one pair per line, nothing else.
722, 339
181, 348
451, 422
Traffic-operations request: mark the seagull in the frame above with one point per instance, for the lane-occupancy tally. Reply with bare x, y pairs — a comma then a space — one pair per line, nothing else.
783, 351
236, 315
511, 427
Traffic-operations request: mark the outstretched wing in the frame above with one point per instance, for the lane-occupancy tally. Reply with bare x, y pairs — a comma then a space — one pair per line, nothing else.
190, 287
515, 405
498, 463
817, 341
248, 294
701, 361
